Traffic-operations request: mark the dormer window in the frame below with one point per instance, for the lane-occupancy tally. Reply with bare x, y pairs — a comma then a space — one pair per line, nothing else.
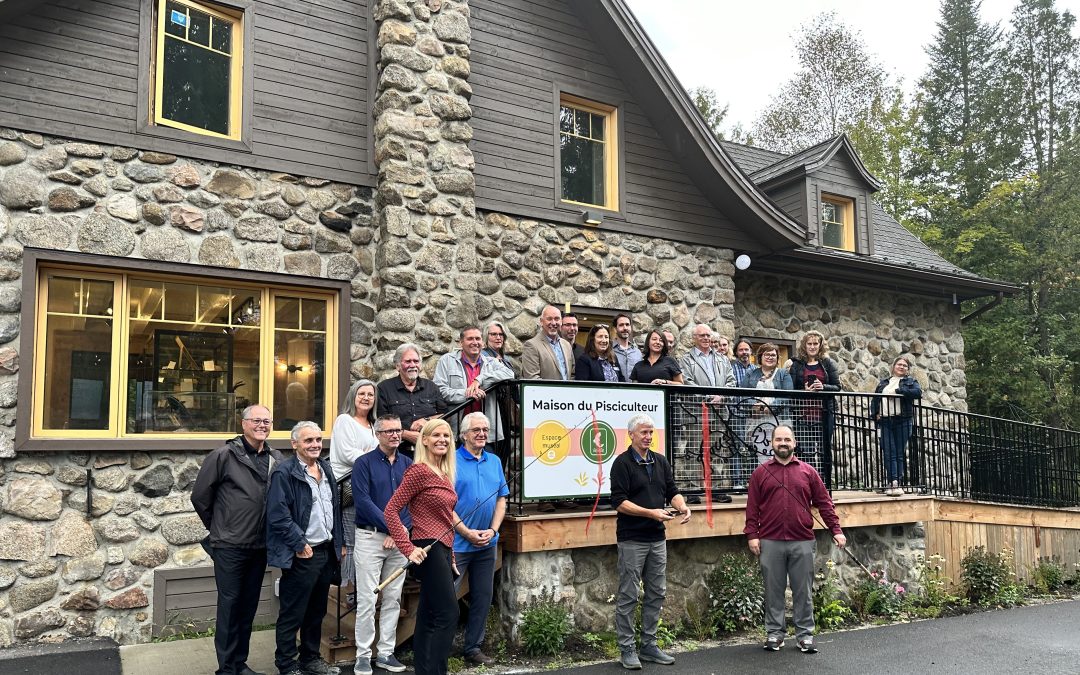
837, 223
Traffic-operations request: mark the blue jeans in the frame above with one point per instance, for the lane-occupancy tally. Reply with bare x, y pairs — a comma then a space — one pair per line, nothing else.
895, 433
479, 566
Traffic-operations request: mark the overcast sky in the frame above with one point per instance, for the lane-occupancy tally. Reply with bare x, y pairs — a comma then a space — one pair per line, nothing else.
743, 50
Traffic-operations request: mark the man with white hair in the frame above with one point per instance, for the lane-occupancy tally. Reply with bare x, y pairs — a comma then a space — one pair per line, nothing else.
411, 397
482, 491
641, 484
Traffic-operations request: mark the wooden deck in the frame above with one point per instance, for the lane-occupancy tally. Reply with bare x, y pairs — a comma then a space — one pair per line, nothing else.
555, 531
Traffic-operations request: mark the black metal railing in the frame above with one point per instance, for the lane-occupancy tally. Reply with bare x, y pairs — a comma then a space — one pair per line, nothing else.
949, 453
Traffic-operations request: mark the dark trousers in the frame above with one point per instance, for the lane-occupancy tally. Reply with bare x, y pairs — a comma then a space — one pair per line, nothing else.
239, 574
895, 432
304, 588
437, 612
479, 566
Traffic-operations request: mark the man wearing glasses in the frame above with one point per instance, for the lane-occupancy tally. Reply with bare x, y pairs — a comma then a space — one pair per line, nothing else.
230, 497
482, 491
375, 476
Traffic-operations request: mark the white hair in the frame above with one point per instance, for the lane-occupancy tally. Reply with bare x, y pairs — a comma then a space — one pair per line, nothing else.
638, 420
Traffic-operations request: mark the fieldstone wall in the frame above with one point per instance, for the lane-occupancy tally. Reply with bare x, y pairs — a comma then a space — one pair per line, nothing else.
865, 328
587, 578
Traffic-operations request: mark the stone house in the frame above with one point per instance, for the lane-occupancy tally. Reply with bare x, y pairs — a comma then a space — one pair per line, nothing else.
205, 204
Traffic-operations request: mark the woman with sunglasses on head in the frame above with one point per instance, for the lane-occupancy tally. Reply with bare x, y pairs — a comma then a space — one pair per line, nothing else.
657, 367
766, 412
353, 435
495, 345
893, 415
597, 363
427, 489
813, 370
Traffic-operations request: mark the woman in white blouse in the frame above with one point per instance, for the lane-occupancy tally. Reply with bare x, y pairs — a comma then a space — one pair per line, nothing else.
353, 435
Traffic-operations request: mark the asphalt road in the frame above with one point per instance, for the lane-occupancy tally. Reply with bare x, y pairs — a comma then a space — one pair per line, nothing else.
1044, 639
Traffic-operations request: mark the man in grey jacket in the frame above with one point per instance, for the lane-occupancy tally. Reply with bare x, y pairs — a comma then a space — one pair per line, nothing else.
465, 373
703, 366
230, 497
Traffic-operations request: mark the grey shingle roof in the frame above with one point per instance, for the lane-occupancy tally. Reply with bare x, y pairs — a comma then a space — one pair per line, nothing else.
893, 243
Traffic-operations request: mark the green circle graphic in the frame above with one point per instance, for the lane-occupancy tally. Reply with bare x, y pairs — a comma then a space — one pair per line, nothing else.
607, 442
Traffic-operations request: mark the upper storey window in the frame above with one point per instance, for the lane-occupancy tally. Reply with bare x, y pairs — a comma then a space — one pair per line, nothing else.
588, 153
198, 68
838, 223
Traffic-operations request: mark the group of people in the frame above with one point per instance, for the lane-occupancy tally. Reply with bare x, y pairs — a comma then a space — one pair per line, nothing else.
263, 508
419, 499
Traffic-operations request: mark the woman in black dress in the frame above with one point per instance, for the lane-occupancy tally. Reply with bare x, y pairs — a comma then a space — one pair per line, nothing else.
657, 367
597, 363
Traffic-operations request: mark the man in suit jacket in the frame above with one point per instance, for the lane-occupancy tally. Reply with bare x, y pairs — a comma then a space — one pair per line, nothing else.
702, 366
546, 356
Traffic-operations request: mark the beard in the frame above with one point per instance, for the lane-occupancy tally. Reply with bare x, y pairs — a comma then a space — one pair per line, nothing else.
783, 452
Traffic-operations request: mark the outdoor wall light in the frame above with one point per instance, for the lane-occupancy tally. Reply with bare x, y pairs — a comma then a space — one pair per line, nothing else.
742, 262
592, 217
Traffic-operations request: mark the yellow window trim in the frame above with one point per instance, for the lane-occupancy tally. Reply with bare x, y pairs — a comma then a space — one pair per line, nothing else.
611, 148
236, 88
846, 208
120, 338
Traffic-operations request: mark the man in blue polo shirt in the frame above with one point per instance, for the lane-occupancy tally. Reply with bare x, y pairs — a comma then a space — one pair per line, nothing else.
482, 491
375, 476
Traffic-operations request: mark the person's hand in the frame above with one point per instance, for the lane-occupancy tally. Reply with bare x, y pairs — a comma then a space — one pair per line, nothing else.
816, 385
484, 536
662, 515
659, 380
840, 540
685, 516
755, 546
306, 552
417, 556
388, 543
343, 552
474, 390
410, 436
716, 399
418, 424
453, 567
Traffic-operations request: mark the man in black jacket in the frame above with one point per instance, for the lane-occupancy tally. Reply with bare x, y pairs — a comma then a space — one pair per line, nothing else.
641, 484
230, 498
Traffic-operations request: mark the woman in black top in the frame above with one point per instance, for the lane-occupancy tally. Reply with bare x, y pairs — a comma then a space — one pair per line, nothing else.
597, 363
813, 370
657, 367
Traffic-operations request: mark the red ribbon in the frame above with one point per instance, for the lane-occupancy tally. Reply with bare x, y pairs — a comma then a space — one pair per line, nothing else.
706, 468
599, 469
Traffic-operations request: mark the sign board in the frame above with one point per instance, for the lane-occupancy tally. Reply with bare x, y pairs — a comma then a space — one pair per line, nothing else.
560, 451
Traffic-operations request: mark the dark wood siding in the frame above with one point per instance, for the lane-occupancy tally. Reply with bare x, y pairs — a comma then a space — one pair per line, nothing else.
186, 599
71, 68
792, 199
840, 178
522, 51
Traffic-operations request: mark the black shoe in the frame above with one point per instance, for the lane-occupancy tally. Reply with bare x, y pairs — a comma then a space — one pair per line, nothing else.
773, 643
479, 658
319, 667
248, 671
565, 504
806, 646
545, 507
693, 499
722, 498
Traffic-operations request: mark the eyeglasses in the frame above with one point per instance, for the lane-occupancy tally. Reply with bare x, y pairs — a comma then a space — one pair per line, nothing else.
479, 431
389, 432
496, 335
256, 422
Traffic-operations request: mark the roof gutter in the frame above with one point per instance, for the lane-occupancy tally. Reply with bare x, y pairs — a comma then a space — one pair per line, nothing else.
985, 308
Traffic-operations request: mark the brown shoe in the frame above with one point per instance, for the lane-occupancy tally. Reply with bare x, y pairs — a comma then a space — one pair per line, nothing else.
479, 658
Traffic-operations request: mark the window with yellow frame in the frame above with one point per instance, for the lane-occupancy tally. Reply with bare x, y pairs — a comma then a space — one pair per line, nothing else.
198, 67
128, 354
588, 153
837, 223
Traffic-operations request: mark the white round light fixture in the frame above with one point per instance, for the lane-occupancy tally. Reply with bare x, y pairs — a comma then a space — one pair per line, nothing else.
742, 262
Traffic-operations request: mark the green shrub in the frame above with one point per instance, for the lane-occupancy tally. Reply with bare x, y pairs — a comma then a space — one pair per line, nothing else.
876, 596
830, 612
935, 587
545, 625
736, 593
1049, 575
698, 624
988, 577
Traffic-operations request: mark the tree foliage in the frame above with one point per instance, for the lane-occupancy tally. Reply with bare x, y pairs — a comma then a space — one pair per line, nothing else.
839, 85
714, 115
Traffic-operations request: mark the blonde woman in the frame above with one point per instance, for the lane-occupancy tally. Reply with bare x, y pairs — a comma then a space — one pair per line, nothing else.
427, 490
813, 370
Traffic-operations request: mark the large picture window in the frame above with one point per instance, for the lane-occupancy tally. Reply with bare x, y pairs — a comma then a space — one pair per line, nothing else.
198, 68
588, 153
131, 354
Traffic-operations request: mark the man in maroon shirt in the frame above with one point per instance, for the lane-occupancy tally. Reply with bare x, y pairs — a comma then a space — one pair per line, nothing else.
780, 531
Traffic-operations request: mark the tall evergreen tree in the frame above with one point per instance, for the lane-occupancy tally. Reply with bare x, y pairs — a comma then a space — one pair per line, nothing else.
964, 153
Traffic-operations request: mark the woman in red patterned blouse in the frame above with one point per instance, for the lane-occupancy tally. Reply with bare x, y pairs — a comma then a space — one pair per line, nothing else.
427, 489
